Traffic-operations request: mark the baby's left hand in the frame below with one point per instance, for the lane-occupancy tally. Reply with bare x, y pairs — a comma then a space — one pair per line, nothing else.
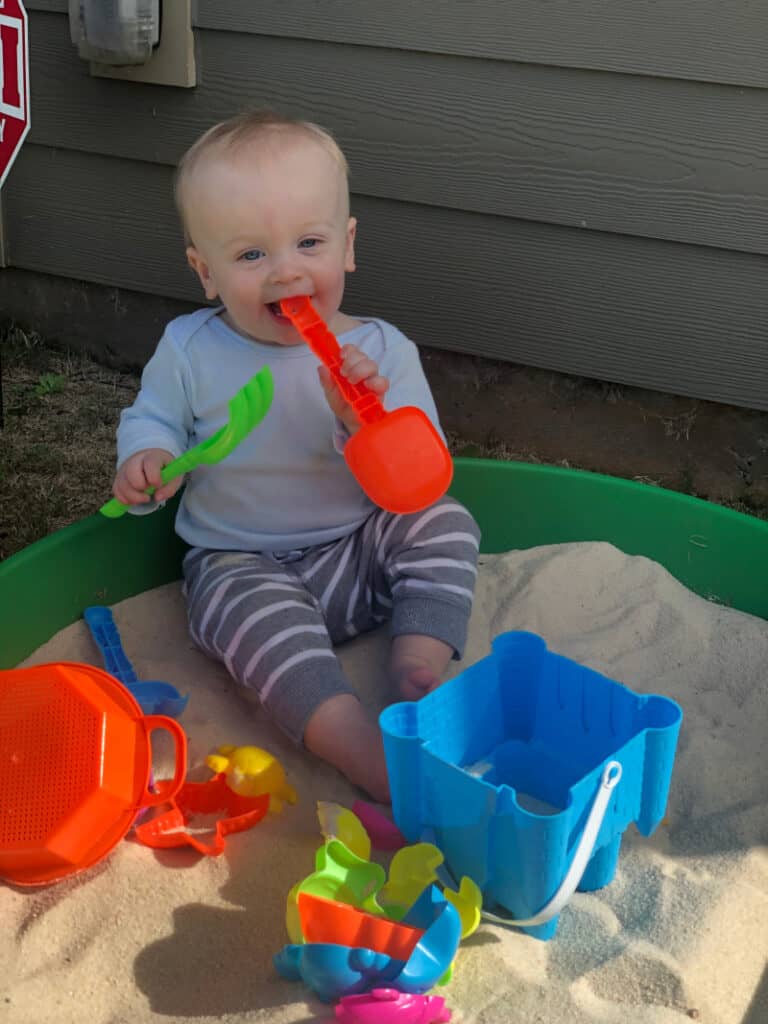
357, 368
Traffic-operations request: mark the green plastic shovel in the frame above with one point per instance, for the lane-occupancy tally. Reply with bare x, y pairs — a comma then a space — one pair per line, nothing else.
246, 410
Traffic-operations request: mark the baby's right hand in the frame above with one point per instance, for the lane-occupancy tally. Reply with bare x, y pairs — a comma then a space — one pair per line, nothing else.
141, 471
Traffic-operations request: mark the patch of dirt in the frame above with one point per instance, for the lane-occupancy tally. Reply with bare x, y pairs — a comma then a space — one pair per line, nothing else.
718, 452
57, 443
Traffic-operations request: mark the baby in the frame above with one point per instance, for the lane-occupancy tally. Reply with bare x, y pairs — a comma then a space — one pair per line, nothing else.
288, 556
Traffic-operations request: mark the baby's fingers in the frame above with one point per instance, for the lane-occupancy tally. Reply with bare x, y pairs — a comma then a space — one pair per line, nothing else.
333, 396
360, 369
356, 366
152, 467
154, 463
378, 384
168, 490
127, 493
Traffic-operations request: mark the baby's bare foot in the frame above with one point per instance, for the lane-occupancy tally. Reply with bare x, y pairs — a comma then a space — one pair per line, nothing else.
414, 679
418, 664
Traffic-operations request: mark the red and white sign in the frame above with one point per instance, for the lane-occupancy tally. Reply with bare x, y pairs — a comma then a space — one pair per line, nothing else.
14, 82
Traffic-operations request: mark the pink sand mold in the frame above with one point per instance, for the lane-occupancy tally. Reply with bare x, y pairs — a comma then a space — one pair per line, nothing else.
383, 833
388, 1006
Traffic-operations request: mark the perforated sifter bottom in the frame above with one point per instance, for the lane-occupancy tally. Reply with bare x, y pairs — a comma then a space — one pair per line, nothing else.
74, 766
42, 779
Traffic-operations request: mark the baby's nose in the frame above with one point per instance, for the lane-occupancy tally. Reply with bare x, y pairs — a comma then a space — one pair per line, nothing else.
286, 270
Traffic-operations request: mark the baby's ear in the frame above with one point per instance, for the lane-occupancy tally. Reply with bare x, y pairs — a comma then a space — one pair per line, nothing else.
349, 255
200, 267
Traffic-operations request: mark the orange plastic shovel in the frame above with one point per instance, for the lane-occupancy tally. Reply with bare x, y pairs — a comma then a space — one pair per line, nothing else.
397, 457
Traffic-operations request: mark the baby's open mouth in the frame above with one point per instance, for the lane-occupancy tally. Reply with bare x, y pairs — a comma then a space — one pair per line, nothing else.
277, 313
276, 310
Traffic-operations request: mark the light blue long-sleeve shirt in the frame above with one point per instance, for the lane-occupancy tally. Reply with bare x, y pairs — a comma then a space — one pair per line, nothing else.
286, 485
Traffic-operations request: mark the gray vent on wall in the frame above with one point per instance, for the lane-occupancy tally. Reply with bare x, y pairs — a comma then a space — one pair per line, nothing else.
119, 32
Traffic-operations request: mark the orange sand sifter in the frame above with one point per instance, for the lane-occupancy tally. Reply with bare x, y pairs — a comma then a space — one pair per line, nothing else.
75, 762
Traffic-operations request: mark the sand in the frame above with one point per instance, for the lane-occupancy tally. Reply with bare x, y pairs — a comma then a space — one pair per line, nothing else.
680, 934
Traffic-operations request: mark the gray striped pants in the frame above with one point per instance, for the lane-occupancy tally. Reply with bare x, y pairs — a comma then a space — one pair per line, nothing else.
273, 619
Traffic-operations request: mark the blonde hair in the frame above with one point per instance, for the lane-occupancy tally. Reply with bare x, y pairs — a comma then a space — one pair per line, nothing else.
242, 130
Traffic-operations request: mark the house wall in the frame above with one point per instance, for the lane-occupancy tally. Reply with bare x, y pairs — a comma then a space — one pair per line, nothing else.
572, 185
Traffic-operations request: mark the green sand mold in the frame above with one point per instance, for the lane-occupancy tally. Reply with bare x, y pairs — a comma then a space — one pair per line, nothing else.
714, 551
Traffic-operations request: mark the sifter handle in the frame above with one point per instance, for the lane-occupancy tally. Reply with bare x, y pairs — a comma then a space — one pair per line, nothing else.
166, 789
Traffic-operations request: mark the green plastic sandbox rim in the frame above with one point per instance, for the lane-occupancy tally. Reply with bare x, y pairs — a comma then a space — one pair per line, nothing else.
718, 553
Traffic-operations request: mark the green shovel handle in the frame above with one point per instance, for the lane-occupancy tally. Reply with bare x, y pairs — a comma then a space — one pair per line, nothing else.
177, 467
246, 410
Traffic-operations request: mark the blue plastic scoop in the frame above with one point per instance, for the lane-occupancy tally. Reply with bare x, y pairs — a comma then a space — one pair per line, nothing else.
154, 697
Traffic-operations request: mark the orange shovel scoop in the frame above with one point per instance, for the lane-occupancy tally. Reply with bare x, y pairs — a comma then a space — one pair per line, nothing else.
397, 457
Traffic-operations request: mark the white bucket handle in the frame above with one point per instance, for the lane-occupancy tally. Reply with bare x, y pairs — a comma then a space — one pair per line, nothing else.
608, 780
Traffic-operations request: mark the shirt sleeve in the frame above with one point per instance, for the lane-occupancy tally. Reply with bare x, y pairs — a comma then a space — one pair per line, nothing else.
161, 416
401, 365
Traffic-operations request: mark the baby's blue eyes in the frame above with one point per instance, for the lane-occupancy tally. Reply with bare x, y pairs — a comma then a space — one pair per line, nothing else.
254, 255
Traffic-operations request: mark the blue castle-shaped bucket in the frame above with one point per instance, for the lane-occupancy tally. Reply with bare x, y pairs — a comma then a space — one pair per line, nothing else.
500, 767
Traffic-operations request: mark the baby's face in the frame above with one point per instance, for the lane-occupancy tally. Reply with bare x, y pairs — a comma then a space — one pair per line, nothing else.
268, 223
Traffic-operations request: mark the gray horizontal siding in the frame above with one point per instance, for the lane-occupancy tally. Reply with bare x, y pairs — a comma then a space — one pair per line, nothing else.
676, 317
703, 40
604, 217
631, 155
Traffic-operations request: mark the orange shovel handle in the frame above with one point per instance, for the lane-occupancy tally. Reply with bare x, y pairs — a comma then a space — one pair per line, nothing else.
323, 343
166, 788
